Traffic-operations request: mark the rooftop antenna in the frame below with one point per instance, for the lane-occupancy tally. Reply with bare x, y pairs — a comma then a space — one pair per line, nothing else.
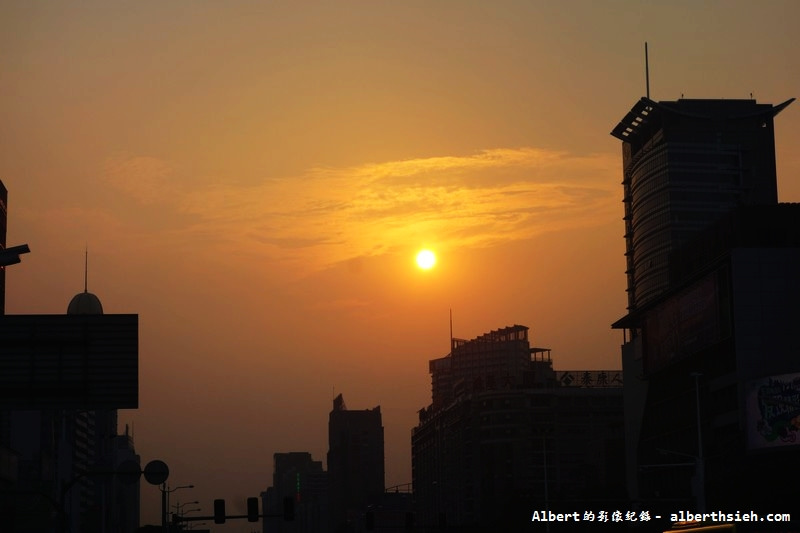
646, 71
451, 329
86, 270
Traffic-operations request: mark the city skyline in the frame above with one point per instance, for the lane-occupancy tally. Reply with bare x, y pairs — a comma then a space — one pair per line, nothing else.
259, 198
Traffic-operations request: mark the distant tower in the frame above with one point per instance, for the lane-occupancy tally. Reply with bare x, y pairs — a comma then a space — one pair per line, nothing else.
355, 462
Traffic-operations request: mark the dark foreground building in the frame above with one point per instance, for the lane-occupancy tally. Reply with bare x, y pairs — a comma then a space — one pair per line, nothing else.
506, 434
713, 267
62, 379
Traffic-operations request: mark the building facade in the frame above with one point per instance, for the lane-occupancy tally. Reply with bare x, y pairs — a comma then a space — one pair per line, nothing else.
505, 433
61, 378
712, 268
685, 164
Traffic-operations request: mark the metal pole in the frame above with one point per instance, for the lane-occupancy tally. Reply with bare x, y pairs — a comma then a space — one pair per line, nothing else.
647, 71
701, 466
164, 507
546, 497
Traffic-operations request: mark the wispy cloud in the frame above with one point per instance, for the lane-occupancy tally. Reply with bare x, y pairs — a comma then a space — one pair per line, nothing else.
330, 215
144, 178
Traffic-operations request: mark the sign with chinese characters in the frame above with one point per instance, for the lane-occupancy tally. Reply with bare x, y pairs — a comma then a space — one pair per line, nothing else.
590, 378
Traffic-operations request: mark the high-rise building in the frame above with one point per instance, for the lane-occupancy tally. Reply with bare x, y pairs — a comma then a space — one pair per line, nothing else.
685, 164
61, 381
713, 269
355, 463
505, 434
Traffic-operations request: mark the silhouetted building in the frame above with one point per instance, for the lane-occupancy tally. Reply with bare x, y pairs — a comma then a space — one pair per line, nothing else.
61, 380
713, 266
298, 477
355, 463
685, 164
506, 434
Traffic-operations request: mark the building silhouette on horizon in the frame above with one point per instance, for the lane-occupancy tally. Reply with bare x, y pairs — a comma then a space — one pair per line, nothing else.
298, 477
355, 464
713, 284
505, 434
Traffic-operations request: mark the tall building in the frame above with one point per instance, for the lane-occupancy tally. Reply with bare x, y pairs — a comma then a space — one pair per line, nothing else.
713, 270
505, 434
685, 164
355, 463
62, 377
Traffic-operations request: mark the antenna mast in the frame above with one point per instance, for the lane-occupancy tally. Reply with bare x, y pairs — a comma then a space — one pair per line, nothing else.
646, 71
86, 270
451, 329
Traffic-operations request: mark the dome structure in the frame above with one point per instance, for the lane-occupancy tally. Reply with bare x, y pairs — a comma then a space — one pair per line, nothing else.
85, 303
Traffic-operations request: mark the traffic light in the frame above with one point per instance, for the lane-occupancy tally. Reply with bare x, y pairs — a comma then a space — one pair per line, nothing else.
288, 508
252, 509
219, 511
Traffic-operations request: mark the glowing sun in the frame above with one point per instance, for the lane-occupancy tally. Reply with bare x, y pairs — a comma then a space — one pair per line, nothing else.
426, 259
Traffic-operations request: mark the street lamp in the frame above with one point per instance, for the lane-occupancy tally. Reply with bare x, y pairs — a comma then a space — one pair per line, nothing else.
165, 492
179, 506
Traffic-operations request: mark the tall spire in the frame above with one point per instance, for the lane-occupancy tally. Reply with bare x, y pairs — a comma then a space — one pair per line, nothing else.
86, 270
85, 303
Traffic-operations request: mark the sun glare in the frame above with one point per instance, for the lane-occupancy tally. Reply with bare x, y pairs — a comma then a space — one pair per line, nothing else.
426, 259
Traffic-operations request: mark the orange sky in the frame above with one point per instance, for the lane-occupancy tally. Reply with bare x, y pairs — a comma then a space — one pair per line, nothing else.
254, 179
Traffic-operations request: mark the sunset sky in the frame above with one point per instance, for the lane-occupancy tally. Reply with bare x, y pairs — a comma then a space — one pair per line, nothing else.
254, 180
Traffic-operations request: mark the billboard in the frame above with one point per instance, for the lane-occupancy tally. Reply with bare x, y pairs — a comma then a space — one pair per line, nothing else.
69, 361
682, 325
773, 411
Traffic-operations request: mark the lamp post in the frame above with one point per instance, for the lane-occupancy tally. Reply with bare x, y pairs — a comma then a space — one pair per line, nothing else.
165, 492
179, 507
700, 472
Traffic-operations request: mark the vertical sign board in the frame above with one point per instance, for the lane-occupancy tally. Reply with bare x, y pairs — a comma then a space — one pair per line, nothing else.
69, 361
773, 411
